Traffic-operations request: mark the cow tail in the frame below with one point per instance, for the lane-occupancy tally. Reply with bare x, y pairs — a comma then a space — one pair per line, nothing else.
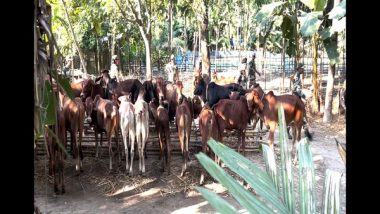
306, 123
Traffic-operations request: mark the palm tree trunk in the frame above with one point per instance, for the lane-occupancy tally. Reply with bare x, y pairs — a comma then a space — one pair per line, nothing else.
315, 105
74, 38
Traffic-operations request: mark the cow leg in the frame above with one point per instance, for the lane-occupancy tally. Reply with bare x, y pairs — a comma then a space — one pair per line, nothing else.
168, 150
117, 143
138, 138
296, 141
80, 152
109, 137
272, 128
132, 145
144, 138
101, 143
61, 170
243, 141
96, 145
162, 152
185, 153
54, 171
289, 136
124, 133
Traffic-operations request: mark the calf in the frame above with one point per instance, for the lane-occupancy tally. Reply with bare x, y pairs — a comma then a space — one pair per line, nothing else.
294, 110
161, 119
128, 127
209, 128
183, 122
142, 130
104, 117
233, 114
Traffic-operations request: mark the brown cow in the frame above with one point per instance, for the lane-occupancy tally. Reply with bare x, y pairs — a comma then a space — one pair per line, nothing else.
105, 117
173, 92
233, 114
56, 153
74, 112
209, 128
91, 89
183, 122
161, 118
294, 110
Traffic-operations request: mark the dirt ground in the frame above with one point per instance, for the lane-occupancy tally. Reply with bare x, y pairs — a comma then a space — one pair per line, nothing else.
98, 191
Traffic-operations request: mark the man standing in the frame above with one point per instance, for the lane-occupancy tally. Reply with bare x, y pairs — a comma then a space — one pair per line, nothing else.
171, 70
296, 80
252, 71
241, 78
114, 71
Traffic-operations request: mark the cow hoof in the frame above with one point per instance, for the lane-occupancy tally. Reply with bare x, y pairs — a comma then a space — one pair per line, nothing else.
56, 191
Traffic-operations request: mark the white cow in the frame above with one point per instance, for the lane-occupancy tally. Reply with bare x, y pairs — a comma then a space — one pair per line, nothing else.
142, 129
127, 125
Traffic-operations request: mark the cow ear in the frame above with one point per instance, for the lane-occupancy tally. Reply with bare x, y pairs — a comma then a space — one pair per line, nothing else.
121, 98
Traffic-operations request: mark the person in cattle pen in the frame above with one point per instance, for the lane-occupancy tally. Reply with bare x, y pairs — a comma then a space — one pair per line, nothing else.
252, 71
171, 70
241, 79
114, 71
296, 80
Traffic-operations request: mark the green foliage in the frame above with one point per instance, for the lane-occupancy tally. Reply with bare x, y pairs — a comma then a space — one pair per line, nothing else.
338, 11
310, 23
268, 195
316, 5
244, 197
286, 163
331, 48
306, 171
287, 27
331, 192
216, 201
270, 164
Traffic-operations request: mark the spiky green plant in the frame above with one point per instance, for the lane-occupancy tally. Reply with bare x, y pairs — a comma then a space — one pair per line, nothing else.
269, 198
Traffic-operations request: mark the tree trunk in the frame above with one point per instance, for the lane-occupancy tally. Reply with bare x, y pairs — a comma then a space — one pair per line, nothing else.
74, 38
96, 54
204, 42
327, 117
186, 48
195, 41
170, 14
120, 57
315, 108
147, 43
283, 64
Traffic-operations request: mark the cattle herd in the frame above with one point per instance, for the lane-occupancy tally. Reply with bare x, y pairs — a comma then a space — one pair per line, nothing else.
132, 105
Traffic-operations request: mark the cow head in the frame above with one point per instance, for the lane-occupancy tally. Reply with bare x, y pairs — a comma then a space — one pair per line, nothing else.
254, 100
86, 88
